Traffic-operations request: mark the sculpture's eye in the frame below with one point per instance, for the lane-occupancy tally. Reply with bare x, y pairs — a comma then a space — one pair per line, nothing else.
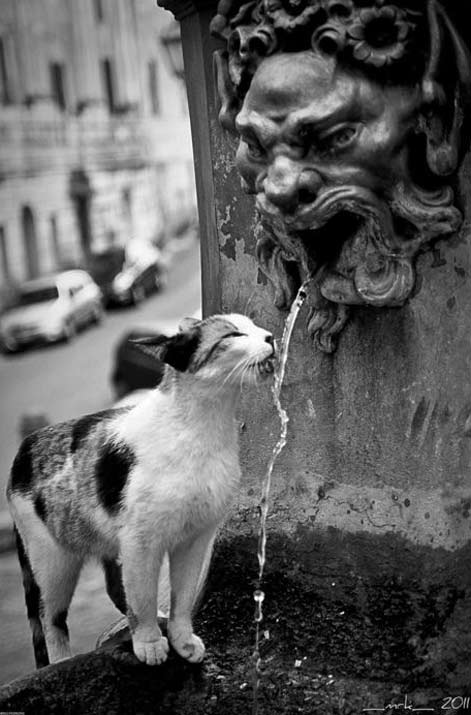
254, 148
306, 136
337, 139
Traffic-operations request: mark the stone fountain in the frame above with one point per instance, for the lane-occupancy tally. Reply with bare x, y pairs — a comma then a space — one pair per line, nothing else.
331, 141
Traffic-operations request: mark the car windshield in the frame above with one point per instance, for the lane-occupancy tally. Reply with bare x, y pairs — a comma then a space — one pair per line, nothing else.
38, 295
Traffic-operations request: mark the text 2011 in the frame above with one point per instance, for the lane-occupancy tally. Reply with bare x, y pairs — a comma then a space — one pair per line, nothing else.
456, 703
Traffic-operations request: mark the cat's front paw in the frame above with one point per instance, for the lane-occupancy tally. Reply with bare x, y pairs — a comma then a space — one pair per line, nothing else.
151, 652
187, 644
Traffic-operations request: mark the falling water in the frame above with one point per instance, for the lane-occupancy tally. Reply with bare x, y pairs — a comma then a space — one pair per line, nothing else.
259, 595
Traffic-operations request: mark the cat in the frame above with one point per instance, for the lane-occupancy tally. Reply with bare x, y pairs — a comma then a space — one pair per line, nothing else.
130, 484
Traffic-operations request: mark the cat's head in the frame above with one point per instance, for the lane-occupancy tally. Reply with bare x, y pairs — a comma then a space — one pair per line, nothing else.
224, 348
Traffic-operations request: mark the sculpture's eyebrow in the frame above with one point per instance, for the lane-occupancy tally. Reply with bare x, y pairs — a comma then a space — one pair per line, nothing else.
304, 120
318, 117
251, 125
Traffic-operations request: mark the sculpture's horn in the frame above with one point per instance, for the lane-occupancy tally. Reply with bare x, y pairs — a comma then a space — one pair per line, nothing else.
446, 90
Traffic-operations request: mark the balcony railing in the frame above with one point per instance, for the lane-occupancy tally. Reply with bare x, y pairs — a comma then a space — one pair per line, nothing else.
31, 146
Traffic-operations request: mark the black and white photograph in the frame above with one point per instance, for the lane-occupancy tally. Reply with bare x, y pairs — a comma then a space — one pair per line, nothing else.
235, 357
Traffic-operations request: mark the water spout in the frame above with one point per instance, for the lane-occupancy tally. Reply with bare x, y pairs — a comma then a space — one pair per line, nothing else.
259, 595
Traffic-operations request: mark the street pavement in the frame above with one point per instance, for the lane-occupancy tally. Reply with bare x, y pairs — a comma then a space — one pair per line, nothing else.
91, 612
65, 381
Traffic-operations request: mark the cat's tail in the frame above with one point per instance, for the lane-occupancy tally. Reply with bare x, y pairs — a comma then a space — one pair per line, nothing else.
33, 604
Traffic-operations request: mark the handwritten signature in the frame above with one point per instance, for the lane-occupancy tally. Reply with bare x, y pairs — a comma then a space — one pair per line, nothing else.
404, 705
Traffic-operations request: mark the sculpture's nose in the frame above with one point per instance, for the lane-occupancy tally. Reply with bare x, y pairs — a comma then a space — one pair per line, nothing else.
287, 184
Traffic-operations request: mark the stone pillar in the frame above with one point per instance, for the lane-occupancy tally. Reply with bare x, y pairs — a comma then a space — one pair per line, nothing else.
209, 147
370, 526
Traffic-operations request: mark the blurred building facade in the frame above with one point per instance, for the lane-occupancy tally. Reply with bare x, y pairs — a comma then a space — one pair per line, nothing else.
94, 132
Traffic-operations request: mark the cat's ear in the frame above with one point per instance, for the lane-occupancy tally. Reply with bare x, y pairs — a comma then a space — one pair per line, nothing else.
153, 346
180, 349
177, 351
188, 324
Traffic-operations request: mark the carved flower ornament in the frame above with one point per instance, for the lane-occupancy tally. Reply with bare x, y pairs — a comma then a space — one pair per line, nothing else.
379, 36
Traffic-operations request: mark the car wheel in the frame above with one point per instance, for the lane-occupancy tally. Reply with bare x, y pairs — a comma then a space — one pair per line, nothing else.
161, 281
70, 330
157, 282
137, 295
9, 347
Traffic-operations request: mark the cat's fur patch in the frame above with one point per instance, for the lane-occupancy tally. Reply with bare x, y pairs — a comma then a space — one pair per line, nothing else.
131, 484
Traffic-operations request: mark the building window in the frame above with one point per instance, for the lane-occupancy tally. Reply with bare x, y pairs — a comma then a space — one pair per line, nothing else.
153, 87
109, 85
57, 75
4, 259
5, 95
99, 12
30, 242
55, 243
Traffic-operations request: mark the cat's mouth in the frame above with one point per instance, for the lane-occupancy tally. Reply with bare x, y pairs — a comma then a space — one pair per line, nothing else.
267, 366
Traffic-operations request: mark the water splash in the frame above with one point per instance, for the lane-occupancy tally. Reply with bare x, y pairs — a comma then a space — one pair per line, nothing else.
259, 595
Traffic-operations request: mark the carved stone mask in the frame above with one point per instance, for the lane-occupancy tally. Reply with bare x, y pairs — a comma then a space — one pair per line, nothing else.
347, 165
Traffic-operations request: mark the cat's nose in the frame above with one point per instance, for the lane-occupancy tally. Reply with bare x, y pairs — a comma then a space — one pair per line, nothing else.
269, 339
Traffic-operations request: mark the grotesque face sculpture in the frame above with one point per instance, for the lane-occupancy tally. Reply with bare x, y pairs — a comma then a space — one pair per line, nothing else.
347, 169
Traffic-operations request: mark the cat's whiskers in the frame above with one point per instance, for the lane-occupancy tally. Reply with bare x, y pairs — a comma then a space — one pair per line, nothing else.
251, 369
238, 365
242, 375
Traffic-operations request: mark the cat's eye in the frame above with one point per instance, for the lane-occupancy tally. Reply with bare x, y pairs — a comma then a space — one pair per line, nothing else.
235, 334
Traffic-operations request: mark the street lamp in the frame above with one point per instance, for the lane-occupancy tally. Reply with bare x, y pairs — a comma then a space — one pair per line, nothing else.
171, 40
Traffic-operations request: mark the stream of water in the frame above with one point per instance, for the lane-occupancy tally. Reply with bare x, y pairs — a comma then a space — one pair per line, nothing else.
259, 595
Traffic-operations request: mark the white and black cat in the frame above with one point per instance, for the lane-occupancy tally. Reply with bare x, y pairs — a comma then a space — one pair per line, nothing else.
131, 484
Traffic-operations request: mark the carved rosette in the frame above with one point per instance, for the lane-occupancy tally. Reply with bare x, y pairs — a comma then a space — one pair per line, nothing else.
353, 120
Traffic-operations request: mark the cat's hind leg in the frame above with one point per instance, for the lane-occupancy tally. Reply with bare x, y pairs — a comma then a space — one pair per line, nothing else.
56, 571
33, 604
50, 578
189, 563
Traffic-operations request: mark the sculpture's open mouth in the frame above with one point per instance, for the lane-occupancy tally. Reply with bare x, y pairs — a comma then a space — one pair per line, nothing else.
324, 245
316, 234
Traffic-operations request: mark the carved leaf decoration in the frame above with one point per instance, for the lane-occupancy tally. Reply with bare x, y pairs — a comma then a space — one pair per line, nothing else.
325, 325
271, 261
388, 284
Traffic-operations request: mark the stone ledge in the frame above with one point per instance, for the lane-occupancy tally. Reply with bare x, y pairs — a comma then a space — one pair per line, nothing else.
110, 682
334, 641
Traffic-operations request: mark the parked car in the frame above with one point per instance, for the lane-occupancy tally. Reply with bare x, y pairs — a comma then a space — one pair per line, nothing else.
133, 369
127, 276
51, 309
